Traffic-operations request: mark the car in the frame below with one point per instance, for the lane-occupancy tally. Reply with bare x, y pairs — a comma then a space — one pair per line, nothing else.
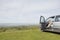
50, 24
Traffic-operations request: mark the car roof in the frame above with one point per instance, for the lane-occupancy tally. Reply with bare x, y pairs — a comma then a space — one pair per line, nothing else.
58, 15
54, 16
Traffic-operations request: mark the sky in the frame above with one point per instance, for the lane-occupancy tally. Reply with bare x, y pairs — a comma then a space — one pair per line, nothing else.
27, 11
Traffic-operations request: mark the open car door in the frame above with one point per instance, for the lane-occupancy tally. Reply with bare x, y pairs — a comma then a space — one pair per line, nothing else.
43, 23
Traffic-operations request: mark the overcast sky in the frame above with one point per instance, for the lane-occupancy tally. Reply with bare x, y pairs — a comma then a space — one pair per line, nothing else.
27, 11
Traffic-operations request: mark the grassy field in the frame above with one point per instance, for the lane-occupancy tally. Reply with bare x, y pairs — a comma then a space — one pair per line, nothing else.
31, 34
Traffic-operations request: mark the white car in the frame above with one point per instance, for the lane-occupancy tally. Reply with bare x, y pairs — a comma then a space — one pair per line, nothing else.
50, 24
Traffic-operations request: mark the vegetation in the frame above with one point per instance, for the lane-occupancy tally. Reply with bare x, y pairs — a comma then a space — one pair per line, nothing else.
3, 29
26, 33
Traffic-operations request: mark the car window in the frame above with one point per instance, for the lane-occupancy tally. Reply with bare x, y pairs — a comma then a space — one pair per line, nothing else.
58, 19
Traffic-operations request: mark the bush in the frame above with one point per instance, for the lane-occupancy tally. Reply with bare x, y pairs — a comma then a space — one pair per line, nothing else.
3, 29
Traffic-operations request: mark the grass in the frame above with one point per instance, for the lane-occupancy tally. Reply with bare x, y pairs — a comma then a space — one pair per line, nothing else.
31, 34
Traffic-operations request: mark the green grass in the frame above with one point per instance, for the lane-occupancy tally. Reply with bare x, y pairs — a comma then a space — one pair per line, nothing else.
30, 34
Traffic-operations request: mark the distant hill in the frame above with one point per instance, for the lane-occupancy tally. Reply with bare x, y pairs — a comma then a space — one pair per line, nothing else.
13, 24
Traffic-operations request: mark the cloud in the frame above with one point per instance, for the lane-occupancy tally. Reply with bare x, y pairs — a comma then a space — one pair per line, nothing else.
27, 11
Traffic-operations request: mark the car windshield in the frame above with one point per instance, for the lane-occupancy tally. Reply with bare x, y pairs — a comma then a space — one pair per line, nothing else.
50, 18
58, 18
